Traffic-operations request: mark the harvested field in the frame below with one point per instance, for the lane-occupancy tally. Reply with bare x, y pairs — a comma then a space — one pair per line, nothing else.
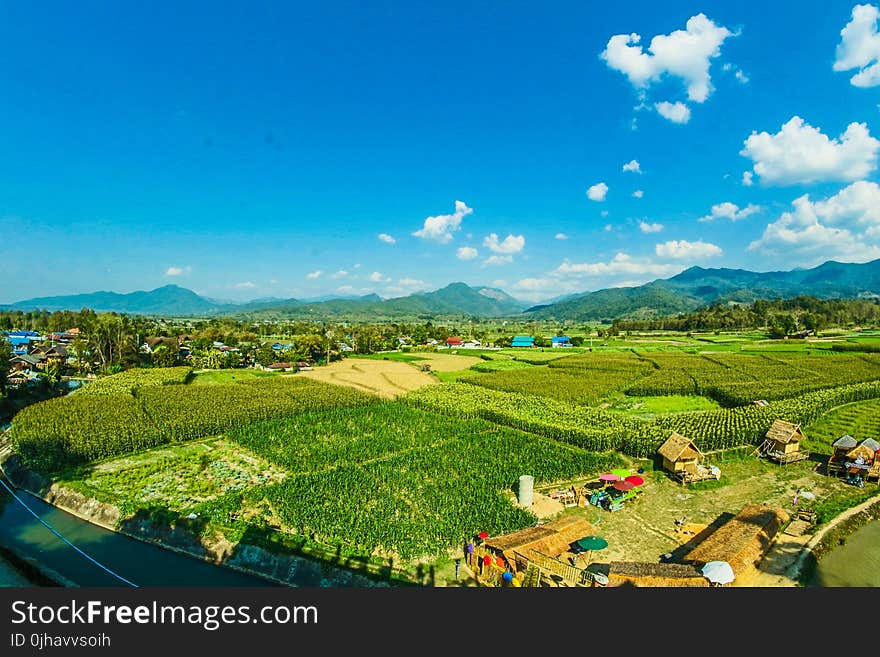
386, 378
448, 362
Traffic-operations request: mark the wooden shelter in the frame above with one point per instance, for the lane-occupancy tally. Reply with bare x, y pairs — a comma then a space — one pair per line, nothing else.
782, 443
742, 541
837, 461
629, 573
552, 538
680, 454
864, 459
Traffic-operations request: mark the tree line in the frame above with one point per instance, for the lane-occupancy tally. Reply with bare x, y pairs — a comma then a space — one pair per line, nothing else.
780, 317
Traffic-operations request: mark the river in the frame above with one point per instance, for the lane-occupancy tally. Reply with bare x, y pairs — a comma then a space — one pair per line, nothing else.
138, 562
855, 563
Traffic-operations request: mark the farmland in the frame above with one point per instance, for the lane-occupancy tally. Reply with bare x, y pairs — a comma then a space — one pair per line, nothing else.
404, 456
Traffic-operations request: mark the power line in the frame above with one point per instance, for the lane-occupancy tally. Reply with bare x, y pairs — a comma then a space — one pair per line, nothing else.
58, 534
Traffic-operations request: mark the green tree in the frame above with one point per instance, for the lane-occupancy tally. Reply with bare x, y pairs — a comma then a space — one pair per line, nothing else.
164, 356
5, 358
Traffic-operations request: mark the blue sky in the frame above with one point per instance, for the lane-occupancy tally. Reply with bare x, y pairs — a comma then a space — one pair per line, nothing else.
261, 149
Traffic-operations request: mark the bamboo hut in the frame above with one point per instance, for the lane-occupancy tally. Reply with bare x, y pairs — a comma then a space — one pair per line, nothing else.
742, 541
863, 460
682, 458
680, 454
782, 442
837, 461
623, 573
551, 539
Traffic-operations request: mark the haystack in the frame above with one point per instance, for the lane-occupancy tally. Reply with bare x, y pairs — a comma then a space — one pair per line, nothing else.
743, 540
655, 574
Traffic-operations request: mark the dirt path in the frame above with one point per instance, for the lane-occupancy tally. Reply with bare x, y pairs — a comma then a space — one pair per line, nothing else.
784, 562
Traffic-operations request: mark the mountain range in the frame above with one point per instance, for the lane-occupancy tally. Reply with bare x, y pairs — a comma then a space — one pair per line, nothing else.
687, 291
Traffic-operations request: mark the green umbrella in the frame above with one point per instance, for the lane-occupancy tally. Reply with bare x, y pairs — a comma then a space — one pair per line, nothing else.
620, 472
590, 543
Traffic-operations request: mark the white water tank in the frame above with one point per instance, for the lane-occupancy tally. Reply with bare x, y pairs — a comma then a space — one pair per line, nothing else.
526, 487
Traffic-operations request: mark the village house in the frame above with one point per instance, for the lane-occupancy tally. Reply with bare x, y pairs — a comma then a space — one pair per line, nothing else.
782, 443
523, 341
453, 342
560, 341
682, 458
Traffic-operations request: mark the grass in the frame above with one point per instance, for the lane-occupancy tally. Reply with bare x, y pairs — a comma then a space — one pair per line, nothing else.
390, 355
216, 377
649, 406
448, 377
860, 420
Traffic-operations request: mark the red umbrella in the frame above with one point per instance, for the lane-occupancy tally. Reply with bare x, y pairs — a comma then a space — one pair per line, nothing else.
635, 480
623, 485
609, 477
483, 535
487, 560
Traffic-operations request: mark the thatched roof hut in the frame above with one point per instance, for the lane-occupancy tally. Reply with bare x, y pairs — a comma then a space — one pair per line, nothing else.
655, 574
784, 437
843, 444
680, 453
551, 539
867, 449
742, 540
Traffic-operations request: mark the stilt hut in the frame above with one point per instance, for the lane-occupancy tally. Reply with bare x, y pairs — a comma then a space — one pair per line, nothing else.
862, 460
783, 442
837, 461
681, 456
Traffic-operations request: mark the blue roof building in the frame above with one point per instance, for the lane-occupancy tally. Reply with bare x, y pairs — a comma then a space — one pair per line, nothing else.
523, 341
560, 341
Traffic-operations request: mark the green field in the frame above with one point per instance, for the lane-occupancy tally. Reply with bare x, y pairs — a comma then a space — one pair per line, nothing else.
412, 479
860, 420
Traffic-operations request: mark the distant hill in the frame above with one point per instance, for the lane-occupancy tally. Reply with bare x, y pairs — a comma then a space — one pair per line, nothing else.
687, 291
167, 300
697, 286
455, 299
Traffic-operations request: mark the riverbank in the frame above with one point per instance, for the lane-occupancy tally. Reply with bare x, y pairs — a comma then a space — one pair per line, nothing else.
287, 569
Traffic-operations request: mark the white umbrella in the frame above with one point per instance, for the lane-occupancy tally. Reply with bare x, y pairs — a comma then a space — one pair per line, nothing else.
807, 495
718, 572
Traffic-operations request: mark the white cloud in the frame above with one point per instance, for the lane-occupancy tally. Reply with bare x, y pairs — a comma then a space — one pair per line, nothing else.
638, 193
511, 243
377, 277
597, 192
845, 226
747, 178
676, 112
645, 227
570, 277
608, 228
560, 236
800, 153
621, 263
684, 250
411, 282
859, 47
684, 54
467, 253
498, 260
741, 77
441, 227
178, 271
632, 165
728, 210
314, 274
604, 213
357, 265
407, 286
247, 285
339, 274
385, 237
